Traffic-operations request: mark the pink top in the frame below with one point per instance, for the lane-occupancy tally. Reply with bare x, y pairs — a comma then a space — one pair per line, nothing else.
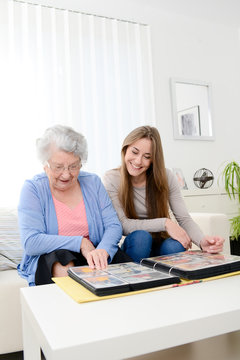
71, 222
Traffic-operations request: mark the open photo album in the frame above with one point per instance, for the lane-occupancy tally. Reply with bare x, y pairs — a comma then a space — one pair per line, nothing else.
119, 278
154, 272
194, 265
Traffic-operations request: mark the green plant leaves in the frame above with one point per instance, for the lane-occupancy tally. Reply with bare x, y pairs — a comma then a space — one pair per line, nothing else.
235, 227
231, 177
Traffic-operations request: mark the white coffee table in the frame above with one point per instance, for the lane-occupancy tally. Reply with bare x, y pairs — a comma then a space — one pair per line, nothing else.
125, 327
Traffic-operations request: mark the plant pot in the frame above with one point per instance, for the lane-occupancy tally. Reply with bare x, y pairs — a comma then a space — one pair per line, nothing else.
235, 246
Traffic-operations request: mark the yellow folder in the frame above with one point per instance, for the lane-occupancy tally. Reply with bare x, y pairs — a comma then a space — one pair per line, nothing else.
81, 295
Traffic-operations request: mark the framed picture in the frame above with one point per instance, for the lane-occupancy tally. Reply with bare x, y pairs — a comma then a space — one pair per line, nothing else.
180, 178
189, 121
192, 110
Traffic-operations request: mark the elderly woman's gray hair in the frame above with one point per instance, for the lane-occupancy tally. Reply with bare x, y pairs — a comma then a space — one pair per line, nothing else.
63, 138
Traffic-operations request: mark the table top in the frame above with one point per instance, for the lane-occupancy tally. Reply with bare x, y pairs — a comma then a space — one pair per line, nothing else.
135, 324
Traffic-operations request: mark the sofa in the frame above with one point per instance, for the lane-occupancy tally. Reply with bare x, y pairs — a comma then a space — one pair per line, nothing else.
10, 282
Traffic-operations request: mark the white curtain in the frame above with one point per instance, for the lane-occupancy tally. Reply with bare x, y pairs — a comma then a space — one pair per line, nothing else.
64, 67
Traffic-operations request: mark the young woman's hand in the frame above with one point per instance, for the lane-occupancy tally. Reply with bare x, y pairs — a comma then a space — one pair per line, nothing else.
176, 232
212, 244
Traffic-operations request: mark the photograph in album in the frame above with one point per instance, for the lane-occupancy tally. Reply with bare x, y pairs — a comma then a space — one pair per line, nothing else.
119, 278
194, 265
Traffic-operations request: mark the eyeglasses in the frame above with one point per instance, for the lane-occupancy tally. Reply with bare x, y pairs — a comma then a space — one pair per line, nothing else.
58, 169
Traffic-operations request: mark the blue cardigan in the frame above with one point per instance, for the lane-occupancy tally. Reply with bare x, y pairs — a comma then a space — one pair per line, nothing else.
39, 227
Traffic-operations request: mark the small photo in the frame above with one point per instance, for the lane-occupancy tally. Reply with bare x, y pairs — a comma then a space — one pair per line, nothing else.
180, 177
189, 121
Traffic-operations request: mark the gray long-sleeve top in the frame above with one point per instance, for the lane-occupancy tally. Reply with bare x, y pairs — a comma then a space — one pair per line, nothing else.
177, 206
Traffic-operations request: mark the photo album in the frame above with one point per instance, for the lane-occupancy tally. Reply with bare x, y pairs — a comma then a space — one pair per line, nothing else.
193, 265
119, 278
154, 272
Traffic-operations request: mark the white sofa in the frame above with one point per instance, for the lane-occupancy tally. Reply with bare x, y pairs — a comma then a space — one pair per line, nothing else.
214, 224
10, 283
10, 311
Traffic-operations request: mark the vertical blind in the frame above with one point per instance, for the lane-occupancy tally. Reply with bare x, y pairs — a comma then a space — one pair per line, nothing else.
65, 67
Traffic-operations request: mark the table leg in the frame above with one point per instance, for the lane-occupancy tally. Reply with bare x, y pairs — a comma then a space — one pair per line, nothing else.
31, 346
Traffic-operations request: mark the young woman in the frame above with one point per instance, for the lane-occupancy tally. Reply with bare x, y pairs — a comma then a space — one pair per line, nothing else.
144, 194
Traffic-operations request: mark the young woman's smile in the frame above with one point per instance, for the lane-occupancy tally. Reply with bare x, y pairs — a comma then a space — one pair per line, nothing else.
138, 158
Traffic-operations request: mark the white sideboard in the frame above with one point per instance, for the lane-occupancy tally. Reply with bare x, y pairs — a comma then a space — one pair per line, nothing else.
210, 200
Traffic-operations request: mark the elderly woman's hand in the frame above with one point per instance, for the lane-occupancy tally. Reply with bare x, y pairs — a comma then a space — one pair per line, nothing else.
96, 258
86, 247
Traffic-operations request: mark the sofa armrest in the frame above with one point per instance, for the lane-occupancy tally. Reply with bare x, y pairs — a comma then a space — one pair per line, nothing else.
10, 311
214, 224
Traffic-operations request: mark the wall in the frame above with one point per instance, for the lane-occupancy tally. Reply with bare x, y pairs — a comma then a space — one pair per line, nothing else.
197, 50
187, 48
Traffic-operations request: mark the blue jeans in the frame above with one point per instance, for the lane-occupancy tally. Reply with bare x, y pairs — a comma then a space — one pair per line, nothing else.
139, 244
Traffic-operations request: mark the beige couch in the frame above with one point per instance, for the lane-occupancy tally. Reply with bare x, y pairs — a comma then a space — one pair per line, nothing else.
10, 283
10, 311
214, 224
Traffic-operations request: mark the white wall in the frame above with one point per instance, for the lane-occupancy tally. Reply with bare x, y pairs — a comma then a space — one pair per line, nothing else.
191, 49
188, 48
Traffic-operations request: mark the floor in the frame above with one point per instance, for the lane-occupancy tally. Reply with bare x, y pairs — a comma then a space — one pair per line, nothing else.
15, 356
12, 356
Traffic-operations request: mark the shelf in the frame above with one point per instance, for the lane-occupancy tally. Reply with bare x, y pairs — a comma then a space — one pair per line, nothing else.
210, 200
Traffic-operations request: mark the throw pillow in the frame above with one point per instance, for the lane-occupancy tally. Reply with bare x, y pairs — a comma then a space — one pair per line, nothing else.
10, 243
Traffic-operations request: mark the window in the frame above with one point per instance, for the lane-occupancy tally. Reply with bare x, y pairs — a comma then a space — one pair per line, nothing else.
64, 67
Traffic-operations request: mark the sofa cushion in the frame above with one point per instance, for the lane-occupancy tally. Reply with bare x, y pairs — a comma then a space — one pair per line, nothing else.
10, 244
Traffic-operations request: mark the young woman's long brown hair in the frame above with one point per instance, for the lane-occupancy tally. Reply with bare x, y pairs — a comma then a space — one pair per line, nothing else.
156, 177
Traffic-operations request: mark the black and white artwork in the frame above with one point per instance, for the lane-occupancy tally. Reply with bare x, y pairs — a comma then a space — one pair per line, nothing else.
189, 121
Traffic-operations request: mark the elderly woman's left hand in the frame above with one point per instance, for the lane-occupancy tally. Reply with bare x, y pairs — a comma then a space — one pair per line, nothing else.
97, 259
212, 244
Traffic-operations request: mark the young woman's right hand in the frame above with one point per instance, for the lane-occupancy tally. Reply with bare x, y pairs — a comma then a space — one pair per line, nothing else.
176, 232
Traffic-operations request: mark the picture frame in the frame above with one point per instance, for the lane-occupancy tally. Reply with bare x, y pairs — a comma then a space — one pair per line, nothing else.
192, 110
180, 178
189, 121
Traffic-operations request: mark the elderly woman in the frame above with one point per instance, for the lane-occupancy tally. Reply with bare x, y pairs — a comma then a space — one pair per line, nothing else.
65, 216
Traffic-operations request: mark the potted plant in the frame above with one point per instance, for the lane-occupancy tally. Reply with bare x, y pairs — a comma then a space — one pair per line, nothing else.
231, 178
